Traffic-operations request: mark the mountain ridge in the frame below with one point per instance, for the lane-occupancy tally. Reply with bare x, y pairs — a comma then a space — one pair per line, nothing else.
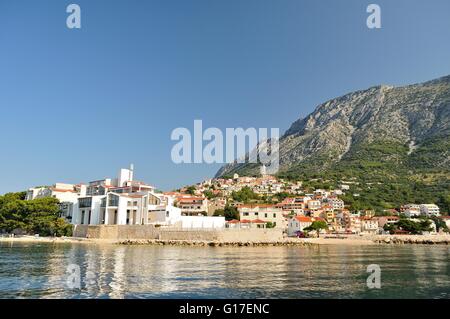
410, 115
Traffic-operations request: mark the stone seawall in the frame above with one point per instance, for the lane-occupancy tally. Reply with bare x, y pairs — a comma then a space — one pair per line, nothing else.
116, 232
149, 232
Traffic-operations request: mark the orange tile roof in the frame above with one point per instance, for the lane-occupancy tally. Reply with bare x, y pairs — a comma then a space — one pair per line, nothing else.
304, 219
258, 221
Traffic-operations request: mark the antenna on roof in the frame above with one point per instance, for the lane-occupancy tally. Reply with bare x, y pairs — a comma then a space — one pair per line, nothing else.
132, 167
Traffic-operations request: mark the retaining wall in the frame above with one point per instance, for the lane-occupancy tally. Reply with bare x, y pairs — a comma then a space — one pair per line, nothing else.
119, 232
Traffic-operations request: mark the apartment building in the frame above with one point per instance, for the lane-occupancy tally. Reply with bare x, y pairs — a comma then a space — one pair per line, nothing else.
390, 220
350, 221
193, 205
67, 194
429, 210
411, 210
121, 201
298, 224
369, 225
336, 203
264, 212
296, 205
314, 204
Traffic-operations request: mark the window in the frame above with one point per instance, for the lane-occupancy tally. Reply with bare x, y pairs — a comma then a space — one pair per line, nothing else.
167, 214
113, 200
265, 215
274, 215
85, 202
245, 214
256, 214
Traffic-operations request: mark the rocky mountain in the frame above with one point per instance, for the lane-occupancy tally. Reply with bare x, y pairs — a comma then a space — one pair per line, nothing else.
371, 132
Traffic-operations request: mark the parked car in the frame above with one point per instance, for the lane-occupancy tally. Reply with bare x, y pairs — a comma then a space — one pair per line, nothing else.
300, 234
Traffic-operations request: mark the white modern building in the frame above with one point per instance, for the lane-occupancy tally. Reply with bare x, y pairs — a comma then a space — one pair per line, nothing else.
121, 201
67, 194
429, 210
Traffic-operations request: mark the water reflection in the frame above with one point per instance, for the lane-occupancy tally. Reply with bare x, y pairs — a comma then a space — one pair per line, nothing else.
109, 271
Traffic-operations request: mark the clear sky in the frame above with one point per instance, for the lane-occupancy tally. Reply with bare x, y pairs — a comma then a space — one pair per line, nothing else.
76, 105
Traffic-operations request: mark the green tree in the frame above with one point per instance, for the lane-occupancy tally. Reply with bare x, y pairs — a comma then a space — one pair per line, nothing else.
271, 225
444, 203
230, 212
219, 212
209, 194
317, 226
190, 190
440, 224
244, 195
39, 216
391, 228
282, 195
414, 227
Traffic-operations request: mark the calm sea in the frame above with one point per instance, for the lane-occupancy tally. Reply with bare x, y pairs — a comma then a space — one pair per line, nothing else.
107, 271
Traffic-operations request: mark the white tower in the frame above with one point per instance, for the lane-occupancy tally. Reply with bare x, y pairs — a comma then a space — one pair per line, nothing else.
126, 175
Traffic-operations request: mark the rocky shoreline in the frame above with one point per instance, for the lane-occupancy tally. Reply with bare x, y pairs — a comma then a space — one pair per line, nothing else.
410, 239
202, 243
287, 242
373, 240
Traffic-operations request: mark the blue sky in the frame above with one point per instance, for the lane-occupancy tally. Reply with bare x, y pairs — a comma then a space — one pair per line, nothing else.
76, 105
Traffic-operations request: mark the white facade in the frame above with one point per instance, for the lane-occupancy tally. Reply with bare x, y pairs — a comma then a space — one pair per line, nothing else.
263, 212
314, 204
336, 203
369, 225
123, 201
202, 222
429, 210
299, 223
67, 194
410, 213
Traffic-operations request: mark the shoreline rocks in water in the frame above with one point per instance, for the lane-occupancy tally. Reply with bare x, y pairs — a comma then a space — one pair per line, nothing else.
413, 239
202, 243
372, 240
305, 242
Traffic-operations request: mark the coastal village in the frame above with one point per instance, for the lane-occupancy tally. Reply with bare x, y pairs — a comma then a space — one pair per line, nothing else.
237, 203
